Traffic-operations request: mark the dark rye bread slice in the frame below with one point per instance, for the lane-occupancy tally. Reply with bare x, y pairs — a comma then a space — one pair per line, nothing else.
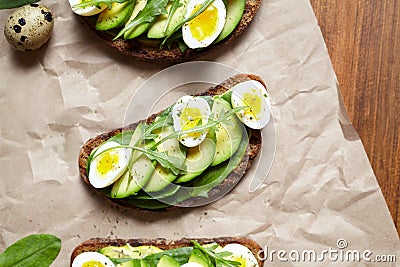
141, 51
97, 243
233, 178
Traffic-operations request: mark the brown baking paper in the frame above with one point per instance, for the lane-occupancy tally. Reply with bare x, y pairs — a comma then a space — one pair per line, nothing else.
320, 189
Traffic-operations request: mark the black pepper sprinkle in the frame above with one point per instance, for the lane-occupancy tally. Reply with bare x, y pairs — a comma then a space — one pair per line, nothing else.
47, 16
34, 5
22, 22
17, 28
23, 38
19, 43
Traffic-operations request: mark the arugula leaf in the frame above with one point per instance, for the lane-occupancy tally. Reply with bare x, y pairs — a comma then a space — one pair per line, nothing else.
175, 5
38, 250
152, 9
97, 3
198, 12
217, 257
7, 4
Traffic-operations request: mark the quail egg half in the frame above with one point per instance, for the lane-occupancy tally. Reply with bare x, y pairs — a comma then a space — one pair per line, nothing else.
29, 27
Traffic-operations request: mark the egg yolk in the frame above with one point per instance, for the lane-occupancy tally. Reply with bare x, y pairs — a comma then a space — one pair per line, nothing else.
107, 162
252, 100
205, 24
241, 260
93, 264
190, 118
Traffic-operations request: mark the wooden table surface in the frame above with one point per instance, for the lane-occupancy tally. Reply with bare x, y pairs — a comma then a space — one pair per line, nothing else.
363, 39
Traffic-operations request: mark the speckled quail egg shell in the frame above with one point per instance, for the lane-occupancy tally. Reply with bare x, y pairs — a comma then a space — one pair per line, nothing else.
29, 27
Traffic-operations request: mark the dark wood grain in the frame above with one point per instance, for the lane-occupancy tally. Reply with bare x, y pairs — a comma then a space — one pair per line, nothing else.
363, 39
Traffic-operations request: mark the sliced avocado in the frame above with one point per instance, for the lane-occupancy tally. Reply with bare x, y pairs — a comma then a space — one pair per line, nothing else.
138, 174
171, 146
198, 257
229, 135
135, 179
159, 28
132, 263
167, 261
127, 251
138, 30
198, 158
120, 252
234, 13
144, 263
114, 17
159, 180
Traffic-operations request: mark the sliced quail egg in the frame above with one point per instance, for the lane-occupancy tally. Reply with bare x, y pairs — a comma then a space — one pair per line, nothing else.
109, 163
93, 259
241, 254
188, 113
87, 11
253, 95
205, 28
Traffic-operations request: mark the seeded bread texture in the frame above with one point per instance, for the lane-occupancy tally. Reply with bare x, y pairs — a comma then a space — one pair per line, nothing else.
136, 49
233, 178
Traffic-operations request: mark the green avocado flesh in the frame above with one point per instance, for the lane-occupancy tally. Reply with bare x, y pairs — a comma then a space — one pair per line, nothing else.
167, 261
198, 158
152, 184
234, 13
229, 134
114, 17
159, 28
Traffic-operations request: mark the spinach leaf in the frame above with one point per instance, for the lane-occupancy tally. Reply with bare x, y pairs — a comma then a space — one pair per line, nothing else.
152, 9
38, 250
6, 4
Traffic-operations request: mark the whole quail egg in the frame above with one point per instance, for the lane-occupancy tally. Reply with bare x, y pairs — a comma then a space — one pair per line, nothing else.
29, 27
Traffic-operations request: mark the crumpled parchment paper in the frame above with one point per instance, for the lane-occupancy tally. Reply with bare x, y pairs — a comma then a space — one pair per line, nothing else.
320, 189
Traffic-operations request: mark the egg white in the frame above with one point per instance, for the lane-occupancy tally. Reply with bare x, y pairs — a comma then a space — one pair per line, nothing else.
99, 180
190, 103
240, 251
192, 264
87, 11
256, 89
85, 257
188, 37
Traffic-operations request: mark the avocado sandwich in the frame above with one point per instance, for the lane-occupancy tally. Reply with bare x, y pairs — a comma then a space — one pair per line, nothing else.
190, 154
166, 30
198, 252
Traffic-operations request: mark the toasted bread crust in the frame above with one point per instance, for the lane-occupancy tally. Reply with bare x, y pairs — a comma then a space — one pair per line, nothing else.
135, 49
233, 178
97, 243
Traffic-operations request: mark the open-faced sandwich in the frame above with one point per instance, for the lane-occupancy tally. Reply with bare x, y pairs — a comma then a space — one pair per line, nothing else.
189, 154
166, 30
205, 252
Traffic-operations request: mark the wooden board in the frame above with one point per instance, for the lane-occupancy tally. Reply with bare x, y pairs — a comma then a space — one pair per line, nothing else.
363, 39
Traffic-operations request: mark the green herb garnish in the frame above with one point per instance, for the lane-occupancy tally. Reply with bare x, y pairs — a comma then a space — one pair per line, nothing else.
217, 257
152, 9
174, 7
97, 3
198, 12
